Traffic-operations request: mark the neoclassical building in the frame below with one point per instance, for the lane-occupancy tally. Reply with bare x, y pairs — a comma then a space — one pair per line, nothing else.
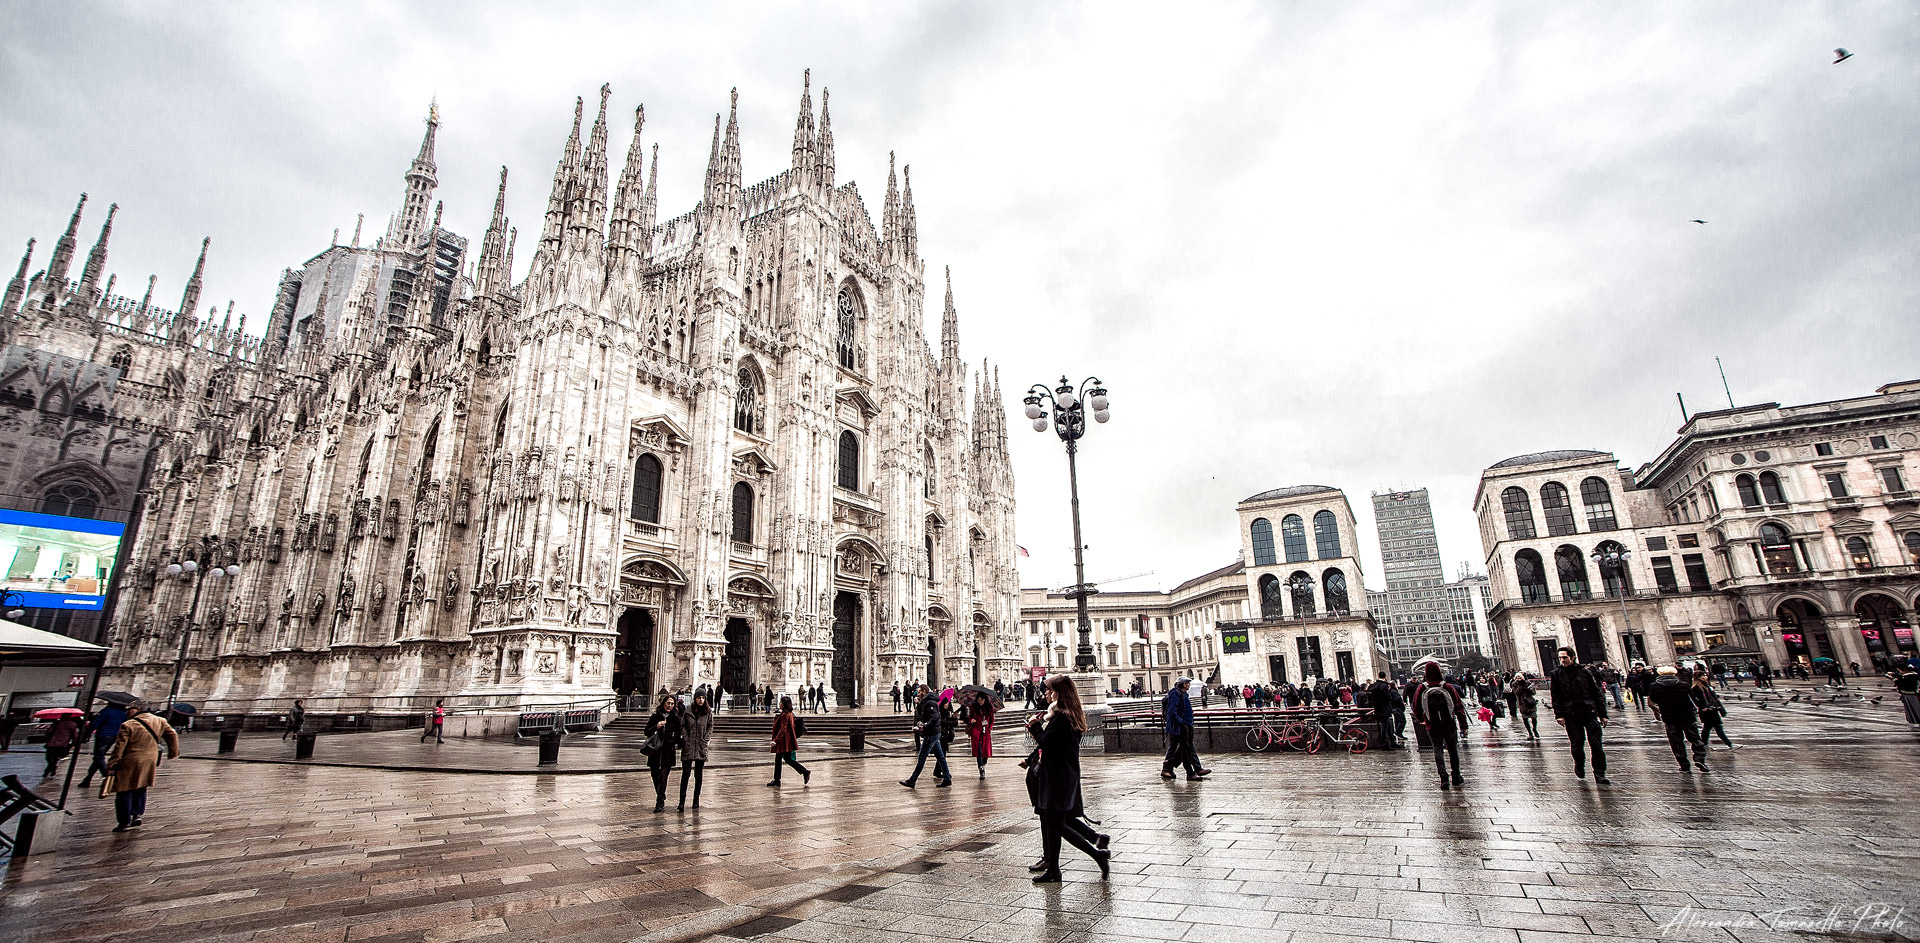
1789, 532
717, 448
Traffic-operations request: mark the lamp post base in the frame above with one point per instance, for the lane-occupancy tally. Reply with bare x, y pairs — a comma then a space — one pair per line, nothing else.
1092, 687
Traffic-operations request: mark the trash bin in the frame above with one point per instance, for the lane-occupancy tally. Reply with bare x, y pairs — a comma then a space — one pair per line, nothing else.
550, 748
303, 746
228, 739
857, 739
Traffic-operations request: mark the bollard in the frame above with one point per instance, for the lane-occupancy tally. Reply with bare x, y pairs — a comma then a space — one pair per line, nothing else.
228, 739
303, 746
857, 739
550, 748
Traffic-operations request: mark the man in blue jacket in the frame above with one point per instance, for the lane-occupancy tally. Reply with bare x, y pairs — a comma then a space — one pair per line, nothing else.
1178, 711
104, 729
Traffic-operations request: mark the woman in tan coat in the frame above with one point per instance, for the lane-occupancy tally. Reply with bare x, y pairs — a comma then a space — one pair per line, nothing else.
132, 760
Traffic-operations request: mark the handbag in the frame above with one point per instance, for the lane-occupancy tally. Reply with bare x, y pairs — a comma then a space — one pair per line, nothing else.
799, 727
653, 745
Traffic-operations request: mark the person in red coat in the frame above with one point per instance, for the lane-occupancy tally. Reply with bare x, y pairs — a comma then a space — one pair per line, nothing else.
786, 743
980, 728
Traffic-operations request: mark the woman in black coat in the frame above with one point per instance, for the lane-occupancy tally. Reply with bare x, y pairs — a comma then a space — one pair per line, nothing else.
1056, 788
664, 723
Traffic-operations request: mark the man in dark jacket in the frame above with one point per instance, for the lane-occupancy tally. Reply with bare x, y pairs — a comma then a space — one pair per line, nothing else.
926, 724
103, 729
1380, 699
1178, 713
1438, 707
1580, 706
1673, 706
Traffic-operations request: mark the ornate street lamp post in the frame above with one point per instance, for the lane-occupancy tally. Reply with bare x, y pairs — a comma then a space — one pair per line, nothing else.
190, 569
1616, 560
1070, 423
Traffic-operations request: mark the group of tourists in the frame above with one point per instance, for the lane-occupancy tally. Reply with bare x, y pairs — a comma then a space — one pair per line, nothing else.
936, 719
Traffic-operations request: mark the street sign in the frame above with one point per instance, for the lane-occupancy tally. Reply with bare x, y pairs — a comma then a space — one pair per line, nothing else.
76, 681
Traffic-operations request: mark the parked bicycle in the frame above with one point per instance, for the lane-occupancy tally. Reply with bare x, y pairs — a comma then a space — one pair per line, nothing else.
1285, 731
1349, 734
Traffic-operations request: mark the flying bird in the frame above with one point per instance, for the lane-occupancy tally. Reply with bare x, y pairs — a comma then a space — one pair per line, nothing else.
1700, 221
1841, 55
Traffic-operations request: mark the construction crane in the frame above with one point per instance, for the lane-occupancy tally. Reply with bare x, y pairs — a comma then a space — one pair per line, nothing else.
1112, 579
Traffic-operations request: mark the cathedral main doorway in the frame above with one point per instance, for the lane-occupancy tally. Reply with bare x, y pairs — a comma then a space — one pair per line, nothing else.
846, 617
733, 663
633, 659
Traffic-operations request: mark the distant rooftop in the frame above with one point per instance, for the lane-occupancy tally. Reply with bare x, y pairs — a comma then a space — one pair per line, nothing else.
1237, 566
1289, 492
1557, 455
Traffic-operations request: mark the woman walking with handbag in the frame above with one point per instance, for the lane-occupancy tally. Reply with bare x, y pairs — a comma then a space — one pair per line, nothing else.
663, 735
980, 729
1056, 791
132, 761
1711, 710
696, 730
786, 743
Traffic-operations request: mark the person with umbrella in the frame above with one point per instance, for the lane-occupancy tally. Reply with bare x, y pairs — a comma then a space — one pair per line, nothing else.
978, 712
104, 729
927, 723
133, 761
62, 736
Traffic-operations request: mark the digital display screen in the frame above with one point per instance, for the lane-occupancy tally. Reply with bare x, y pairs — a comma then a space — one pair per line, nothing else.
54, 562
1235, 641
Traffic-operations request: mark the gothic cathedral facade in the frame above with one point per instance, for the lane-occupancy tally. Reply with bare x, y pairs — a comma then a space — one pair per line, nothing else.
717, 449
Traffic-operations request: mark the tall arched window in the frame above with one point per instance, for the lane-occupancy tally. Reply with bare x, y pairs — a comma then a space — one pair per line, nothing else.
849, 328
1749, 495
1532, 576
1300, 587
933, 471
1615, 580
647, 475
743, 512
746, 402
1559, 510
1573, 573
848, 466
1598, 498
1262, 532
1293, 533
1519, 511
1859, 554
930, 574
1912, 540
1333, 591
500, 427
70, 500
1326, 535
122, 360
1270, 605
428, 447
1776, 546
1770, 488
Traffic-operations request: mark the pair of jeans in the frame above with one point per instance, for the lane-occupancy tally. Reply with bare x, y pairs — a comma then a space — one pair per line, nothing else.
1710, 724
930, 743
54, 756
1681, 734
1582, 730
1532, 720
1180, 752
660, 774
697, 770
129, 805
1057, 825
436, 731
789, 758
1446, 746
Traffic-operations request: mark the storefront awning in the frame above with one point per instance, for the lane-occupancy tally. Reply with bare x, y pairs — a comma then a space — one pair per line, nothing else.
24, 643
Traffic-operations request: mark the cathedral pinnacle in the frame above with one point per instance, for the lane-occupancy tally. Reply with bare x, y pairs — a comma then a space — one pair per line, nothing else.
190, 299
949, 329
17, 288
592, 209
563, 182
97, 259
890, 211
488, 274
909, 223
803, 132
63, 251
823, 148
625, 232
421, 182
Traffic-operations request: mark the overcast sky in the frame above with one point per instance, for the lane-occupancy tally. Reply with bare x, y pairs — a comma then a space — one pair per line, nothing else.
1368, 245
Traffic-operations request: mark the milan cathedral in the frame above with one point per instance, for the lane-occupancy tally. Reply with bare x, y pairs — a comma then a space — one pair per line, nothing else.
715, 449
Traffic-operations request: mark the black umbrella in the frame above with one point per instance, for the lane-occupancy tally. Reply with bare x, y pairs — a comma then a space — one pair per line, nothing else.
992, 698
121, 698
180, 708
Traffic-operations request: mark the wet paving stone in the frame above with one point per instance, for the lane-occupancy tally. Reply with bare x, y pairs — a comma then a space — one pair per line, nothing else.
1811, 831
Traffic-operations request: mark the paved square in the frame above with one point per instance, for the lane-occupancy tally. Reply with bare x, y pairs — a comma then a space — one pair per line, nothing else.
1808, 832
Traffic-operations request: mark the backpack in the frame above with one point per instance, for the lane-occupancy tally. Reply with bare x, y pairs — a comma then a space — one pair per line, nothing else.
799, 727
1437, 704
